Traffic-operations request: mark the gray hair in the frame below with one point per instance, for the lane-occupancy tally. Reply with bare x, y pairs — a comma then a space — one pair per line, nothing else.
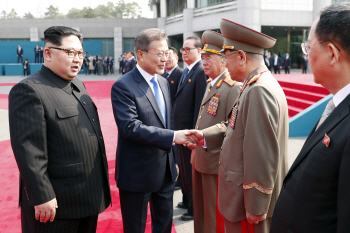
145, 37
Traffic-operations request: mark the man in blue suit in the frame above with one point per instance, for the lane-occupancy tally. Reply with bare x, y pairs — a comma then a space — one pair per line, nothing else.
146, 168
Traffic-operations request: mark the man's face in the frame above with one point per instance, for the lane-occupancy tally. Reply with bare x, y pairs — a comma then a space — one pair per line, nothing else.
59, 62
193, 54
212, 64
232, 65
152, 63
317, 57
172, 60
287, 54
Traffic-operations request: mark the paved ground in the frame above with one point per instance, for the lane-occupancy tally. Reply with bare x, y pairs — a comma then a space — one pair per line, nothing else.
294, 144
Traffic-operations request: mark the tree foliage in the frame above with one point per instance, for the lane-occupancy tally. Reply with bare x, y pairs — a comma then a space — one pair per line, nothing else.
53, 13
28, 16
11, 15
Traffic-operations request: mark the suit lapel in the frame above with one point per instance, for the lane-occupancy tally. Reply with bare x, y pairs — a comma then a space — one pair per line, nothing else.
339, 113
163, 86
145, 88
190, 74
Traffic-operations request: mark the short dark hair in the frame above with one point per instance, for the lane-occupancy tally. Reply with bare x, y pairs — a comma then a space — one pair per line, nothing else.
174, 50
132, 53
197, 41
54, 34
333, 25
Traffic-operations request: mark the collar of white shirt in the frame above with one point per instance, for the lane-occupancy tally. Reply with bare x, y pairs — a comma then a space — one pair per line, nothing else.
147, 76
194, 63
341, 95
212, 83
169, 73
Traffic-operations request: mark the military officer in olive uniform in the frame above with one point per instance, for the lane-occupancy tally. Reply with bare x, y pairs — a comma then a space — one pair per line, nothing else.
220, 95
253, 158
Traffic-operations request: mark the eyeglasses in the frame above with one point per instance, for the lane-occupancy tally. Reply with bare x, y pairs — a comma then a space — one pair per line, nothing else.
182, 50
160, 55
72, 52
225, 57
306, 48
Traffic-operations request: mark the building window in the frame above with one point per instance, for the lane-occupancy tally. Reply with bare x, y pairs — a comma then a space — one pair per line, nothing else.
205, 3
175, 7
128, 44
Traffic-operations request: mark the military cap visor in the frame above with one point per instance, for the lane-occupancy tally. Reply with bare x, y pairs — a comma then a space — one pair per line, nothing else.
213, 42
239, 37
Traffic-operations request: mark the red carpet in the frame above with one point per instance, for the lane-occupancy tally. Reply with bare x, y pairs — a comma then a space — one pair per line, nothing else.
110, 220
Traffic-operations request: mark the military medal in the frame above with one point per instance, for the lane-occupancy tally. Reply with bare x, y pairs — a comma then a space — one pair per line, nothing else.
326, 140
233, 117
213, 104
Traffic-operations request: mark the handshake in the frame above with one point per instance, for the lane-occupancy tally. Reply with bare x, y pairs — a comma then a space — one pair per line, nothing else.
190, 138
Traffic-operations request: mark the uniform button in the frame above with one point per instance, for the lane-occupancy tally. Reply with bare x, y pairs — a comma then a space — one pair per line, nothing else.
202, 106
84, 103
225, 135
221, 147
209, 90
219, 163
93, 119
100, 137
200, 117
197, 127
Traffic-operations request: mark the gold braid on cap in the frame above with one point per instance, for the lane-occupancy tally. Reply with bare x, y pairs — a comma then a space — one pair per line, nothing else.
228, 47
210, 50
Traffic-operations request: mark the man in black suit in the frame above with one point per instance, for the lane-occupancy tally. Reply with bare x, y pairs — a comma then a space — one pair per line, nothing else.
19, 52
130, 62
172, 72
36, 53
304, 62
187, 102
287, 64
277, 63
315, 193
41, 54
57, 142
146, 168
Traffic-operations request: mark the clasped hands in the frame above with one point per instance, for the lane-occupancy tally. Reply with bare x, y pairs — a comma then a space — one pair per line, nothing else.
190, 138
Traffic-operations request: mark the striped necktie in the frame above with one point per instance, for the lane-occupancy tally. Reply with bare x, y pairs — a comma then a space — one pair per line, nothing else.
159, 98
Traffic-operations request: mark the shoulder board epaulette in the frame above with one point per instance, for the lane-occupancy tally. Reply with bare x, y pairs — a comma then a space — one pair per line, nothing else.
219, 83
209, 80
229, 81
254, 79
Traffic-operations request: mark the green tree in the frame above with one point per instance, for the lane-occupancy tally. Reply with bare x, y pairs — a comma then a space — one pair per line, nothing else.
53, 13
105, 11
88, 12
75, 13
127, 10
3, 15
28, 16
13, 14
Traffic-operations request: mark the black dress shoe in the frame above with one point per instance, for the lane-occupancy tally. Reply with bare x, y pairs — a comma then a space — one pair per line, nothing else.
182, 205
186, 217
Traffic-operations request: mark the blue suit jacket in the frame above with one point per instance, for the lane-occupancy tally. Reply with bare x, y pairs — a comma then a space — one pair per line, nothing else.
144, 141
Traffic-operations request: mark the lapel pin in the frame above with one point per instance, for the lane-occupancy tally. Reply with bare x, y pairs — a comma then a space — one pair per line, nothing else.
189, 80
172, 82
326, 140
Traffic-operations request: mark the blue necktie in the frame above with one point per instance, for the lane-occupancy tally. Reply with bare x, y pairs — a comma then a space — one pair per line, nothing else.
159, 98
185, 75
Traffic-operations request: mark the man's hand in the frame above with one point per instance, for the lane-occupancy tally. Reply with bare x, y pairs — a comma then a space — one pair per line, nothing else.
196, 135
182, 138
46, 211
178, 171
255, 219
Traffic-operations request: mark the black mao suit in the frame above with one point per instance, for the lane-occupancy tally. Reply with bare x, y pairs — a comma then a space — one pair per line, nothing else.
145, 164
173, 80
315, 194
58, 145
186, 107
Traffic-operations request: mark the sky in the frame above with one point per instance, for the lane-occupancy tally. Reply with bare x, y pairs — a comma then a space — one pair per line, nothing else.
38, 7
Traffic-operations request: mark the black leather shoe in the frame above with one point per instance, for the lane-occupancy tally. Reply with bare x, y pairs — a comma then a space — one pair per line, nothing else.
186, 217
182, 206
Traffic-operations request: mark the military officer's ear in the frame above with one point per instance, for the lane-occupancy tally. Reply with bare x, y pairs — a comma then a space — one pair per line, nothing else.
243, 57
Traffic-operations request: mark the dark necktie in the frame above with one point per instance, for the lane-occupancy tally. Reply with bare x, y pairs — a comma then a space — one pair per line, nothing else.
167, 75
159, 98
185, 75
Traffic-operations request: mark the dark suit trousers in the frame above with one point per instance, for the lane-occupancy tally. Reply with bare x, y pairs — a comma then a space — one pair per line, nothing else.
186, 175
76, 225
36, 60
134, 207
19, 57
277, 69
286, 70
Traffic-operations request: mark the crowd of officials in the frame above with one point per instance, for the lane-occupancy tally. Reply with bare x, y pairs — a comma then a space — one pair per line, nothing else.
95, 64
221, 125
